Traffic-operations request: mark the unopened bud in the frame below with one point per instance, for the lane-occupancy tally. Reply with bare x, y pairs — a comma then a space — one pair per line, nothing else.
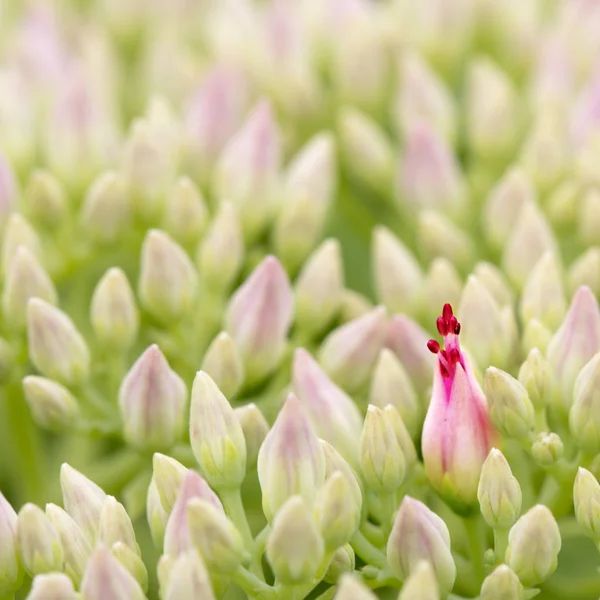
351, 588
39, 546
295, 547
221, 253
354, 305
8, 189
534, 376
52, 586
442, 284
132, 561
168, 475
168, 279
45, 198
495, 282
223, 363
335, 462
585, 270
52, 406
18, 232
536, 335
562, 204
188, 579
547, 449
216, 436
56, 348
533, 546
255, 428
115, 525
156, 515
186, 214
502, 584
421, 584
10, 567
343, 561
586, 498
584, 417
402, 436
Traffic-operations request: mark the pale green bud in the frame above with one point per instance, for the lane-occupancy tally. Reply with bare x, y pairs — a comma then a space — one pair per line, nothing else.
343, 561
186, 213
511, 410
188, 579
18, 232
216, 435
45, 198
255, 428
536, 335
156, 515
533, 546
114, 315
295, 547
442, 285
354, 305
168, 279
10, 568
168, 475
52, 586
403, 437
335, 462
336, 512
589, 218
585, 270
220, 255
106, 210
215, 536
319, 288
398, 277
52, 406
421, 584
586, 498
115, 525
502, 584
351, 588
439, 236
495, 282
55, 346
381, 459
82, 499
25, 279
562, 204
76, 547
39, 546
584, 416
391, 384
223, 363
132, 561
534, 376
547, 449
499, 492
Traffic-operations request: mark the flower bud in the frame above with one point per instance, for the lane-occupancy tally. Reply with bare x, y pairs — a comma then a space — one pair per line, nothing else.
168, 280
220, 255
421, 584
186, 214
547, 449
113, 312
222, 362
402, 436
348, 353
168, 475
56, 348
333, 414
442, 284
215, 536
216, 436
390, 384
586, 498
25, 279
105, 577
132, 561
75, 546
530, 238
308, 190
177, 534
335, 462
381, 459
502, 584
82, 499
259, 316
511, 409
354, 305
319, 288
585, 270
255, 428
45, 198
188, 579
52, 586
533, 546
495, 282
584, 418
398, 275
499, 493
351, 588
10, 568
295, 547
40, 550
419, 534
115, 525
343, 561
574, 344
156, 515
248, 169
18, 232
534, 376
291, 460
153, 401
106, 211
52, 406
536, 335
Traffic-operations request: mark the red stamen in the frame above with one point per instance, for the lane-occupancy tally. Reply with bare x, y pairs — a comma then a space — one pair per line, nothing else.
457, 328
447, 312
453, 356
434, 346
452, 322
442, 326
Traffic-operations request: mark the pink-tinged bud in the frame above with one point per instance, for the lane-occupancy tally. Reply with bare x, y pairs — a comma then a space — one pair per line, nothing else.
247, 172
457, 433
398, 277
291, 460
430, 175
333, 414
214, 113
105, 577
10, 570
8, 190
52, 586
188, 579
574, 344
177, 534
82, 499
408, 341
419, 534
153, 401
259, 316
348, 354
442, 284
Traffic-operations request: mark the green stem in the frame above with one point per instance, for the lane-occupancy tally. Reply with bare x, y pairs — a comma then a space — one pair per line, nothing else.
389, 505
476, 545
373, 533
369, 553
252, 585
327, 594
500, 543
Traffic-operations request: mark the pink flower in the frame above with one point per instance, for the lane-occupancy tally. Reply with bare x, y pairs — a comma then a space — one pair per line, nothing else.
457, 434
